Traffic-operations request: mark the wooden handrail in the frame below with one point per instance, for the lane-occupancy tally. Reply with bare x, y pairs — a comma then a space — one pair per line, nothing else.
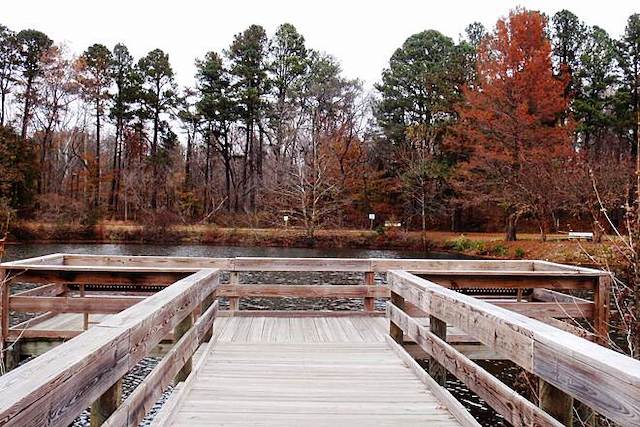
54, 388
607, 381
75, 262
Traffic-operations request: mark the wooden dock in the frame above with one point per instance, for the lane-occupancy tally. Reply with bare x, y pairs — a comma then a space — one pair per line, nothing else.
94, 318
322, 371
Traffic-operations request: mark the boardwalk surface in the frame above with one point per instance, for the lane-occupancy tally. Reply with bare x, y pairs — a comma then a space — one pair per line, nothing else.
303, 372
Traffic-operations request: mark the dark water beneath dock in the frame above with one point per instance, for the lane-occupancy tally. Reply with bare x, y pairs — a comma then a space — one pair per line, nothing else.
503, 370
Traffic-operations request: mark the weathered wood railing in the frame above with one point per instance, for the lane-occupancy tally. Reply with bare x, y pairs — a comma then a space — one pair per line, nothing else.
90, 366
68, 286
567, 366
54, 388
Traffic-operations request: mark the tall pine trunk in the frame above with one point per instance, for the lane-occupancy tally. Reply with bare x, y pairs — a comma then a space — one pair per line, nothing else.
27, 107
97, 174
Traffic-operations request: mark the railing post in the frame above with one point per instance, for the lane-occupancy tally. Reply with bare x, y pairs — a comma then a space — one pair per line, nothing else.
181, 329
394, 330
601, 295
555, 402
234, 302
4, 316
85, 316
436, 370
106, 404
369, 280
206, 303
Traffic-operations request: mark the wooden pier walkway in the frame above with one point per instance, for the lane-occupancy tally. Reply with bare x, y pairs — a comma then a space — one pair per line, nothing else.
319, 371
93, 319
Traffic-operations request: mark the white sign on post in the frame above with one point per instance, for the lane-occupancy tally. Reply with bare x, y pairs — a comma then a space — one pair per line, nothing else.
372, 216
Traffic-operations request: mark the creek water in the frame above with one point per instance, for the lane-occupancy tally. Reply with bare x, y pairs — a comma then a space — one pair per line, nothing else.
505, 371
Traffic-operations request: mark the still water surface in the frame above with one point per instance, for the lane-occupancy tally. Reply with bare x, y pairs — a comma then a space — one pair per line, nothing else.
31, 250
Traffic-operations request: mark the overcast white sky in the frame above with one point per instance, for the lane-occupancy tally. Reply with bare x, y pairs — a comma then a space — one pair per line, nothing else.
361, 34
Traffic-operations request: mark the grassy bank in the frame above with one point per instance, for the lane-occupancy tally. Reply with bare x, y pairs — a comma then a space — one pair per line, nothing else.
556, 248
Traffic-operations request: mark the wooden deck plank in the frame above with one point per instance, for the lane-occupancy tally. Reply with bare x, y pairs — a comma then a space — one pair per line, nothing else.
306, 371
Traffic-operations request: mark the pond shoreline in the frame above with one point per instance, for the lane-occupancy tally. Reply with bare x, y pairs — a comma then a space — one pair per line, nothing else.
474, 244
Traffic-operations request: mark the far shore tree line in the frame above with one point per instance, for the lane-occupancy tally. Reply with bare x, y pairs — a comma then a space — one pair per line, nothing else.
536, 119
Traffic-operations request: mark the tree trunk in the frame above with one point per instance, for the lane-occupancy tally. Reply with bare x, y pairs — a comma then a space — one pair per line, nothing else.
510, 228
3, 96
154, 160
27, 107
227, 174
96, 201
187, 164
597, 231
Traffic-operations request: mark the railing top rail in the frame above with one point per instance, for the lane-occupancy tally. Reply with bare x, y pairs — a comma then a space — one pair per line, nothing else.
607, 381
53, 388
79, 262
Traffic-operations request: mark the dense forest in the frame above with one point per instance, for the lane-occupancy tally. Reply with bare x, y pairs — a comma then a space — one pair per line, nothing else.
535, 120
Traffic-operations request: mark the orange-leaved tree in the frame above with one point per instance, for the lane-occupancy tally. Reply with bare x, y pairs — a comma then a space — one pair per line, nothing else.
513, 135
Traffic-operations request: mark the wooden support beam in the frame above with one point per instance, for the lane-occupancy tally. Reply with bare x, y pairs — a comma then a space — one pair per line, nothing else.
82, 304
299, 313
206, 303
302, 291
49, 290
85, 315
395, 331
511, 280
60, 275
234, 302
180, 330
369, 280
4, 314
602, 293
436, 370
106, 404
555, 402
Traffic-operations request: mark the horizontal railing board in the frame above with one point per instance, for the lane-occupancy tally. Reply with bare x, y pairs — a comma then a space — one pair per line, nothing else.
53, 388
189, 264
536, 310
88, 304
553, 296
92, 276
51, 259
300, 313
18, 333
510, 280
517, 410
607, 381
303, 291
300, 264
137, 261
52, 289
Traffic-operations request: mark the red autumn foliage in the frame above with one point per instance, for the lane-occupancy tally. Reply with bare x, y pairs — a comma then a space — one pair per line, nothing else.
513, 132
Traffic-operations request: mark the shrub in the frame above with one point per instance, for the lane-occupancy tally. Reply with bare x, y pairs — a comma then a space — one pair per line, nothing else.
464, 244
499, 250
519, 253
